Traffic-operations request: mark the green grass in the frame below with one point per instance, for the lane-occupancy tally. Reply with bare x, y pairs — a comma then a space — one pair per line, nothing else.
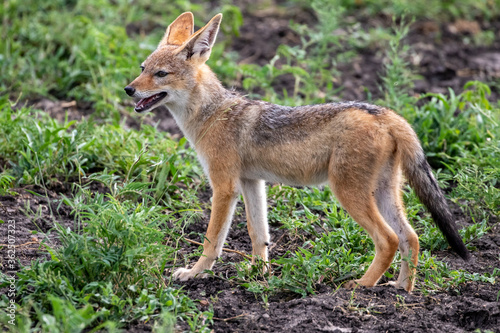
80, 49
114, 267
430, 9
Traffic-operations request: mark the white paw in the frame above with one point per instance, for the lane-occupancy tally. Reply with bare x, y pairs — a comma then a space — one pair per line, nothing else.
406, 285
184, 274
395, 284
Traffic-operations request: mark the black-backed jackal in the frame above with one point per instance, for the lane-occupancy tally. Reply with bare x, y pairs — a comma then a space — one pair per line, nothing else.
361, 150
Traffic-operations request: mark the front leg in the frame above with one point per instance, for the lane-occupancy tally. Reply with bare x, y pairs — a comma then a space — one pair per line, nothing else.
254, 195
224, 200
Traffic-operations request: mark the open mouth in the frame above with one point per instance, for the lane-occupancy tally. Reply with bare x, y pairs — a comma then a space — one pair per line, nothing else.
147, 103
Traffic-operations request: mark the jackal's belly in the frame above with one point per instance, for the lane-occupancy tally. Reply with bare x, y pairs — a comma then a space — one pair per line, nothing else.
304, 171
287, 179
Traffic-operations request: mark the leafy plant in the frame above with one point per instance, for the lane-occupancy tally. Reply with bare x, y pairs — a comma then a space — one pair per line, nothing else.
112, 270
398, 77
6, 182
451, 126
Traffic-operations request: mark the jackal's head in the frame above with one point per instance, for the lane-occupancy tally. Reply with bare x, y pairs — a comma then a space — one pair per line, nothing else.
170, 73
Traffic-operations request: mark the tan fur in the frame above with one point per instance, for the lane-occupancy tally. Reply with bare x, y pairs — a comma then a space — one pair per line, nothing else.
179, 31
360, 149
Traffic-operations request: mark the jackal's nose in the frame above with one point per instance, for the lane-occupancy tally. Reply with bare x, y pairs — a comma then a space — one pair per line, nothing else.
129, 90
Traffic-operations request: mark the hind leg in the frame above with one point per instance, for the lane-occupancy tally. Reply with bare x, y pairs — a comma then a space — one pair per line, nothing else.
362, 148
390, 205
360, 204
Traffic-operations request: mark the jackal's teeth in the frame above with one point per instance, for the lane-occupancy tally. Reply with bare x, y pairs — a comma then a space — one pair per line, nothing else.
147, 102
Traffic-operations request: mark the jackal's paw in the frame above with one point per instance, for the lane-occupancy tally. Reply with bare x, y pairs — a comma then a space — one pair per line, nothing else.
351, 284
358, 284
184, 274
406, 285
395, 284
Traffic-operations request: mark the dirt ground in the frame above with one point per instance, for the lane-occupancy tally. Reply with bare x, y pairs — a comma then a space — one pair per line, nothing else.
442, 58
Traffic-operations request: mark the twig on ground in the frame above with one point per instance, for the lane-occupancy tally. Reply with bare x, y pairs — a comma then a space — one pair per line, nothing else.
28, 243
223, 249
273, 245
231, 318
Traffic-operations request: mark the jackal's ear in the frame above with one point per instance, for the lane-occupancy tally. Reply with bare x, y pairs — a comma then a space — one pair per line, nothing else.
199, 45
179, 31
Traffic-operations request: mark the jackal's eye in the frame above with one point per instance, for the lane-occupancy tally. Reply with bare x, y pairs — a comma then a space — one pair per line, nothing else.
142, 69
161, 74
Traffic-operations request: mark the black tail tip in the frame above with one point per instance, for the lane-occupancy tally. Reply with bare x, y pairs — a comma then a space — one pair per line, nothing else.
465, 254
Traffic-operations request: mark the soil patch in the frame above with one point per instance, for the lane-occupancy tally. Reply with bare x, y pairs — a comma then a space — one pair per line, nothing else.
443, 55
33, 212
377, 309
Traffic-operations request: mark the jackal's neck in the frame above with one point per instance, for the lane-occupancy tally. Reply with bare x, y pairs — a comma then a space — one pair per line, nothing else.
195, 107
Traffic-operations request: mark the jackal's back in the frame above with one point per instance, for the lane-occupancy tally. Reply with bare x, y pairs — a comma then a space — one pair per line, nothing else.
295, 145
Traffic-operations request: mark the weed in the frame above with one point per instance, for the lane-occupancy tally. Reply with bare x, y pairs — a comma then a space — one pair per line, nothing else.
398, 78
6, 182
112, 270
437, 276
451, 126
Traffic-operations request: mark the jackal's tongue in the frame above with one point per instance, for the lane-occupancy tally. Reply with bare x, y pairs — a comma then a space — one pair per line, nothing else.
142, 102
147, 102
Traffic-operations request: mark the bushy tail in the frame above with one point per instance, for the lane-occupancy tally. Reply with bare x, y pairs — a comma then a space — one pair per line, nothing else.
418, 172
